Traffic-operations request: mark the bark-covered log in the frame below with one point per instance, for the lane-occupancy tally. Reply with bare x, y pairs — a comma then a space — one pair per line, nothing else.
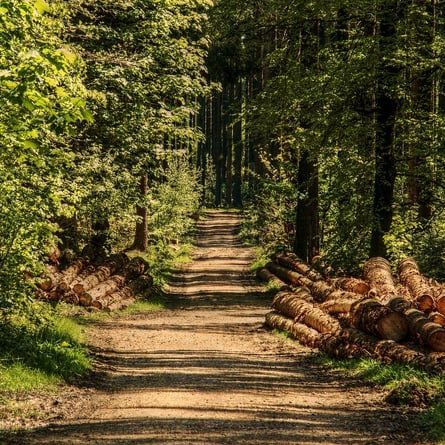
306, 335
377, 271
323, 292
70, 297
136, 267
277, 320
84, 284
437, 317
141, 285
429, 333
117, 262
426, 332
49, 279
371, 316
351, 284
68, 275
440, 303
421, 292
288, 276
338, 305
303, 311
355, 343
104, 288
292, 262
267, 276
105, 300
120, 304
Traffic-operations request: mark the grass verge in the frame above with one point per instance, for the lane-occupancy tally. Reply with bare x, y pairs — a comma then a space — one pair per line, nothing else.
405, 386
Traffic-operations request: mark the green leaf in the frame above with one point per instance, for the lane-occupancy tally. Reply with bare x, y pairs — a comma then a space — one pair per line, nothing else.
41, 6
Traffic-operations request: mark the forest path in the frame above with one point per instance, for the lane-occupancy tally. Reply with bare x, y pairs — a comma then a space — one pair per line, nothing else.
205, 371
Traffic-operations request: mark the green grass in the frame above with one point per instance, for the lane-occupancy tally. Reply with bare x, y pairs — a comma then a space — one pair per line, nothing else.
406, 386
45, 348
17, 378
39, 347
260, 261
282, 334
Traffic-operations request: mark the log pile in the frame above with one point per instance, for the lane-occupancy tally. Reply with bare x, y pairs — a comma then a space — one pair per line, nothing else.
390, 317
112, 284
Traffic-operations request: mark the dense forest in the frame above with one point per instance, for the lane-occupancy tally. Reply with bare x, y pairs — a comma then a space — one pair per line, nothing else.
323, 121
328, 126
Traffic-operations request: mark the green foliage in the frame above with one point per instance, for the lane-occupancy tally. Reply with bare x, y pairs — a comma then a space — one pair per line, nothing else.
432, 420
313, 74
173, 200
17, 377
42, 97
46, 344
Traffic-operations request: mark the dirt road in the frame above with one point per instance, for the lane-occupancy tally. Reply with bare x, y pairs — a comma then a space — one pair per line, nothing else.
205, 371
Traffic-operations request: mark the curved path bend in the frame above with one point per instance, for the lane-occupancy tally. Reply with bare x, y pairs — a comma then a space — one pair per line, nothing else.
205, 371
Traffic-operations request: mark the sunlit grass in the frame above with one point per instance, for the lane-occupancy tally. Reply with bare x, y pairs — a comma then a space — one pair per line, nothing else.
16, 377
406, 385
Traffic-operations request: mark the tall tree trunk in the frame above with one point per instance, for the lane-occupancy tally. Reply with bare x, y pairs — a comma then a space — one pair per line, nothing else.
141, 234
422, 81
218, 156
385, 163
237, 146
307, 238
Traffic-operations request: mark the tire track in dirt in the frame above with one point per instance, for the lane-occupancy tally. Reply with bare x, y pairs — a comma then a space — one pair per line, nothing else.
205, 371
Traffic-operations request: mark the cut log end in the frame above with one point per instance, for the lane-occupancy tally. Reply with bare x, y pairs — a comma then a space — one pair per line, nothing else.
437, 340
393, 326
425, 302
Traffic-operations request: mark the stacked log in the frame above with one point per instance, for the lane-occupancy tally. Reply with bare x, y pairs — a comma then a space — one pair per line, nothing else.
112, 285
381, 315
417, 285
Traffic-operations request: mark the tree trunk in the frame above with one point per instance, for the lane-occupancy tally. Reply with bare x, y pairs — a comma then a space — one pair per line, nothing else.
104, 301
385, 163
288, 276
238, 146
307, 238
268, 277
351, 284
141, 235
71, 273
106, 287
82, 284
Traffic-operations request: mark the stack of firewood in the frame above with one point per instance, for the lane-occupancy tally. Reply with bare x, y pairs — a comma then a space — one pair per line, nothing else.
109, 285
391, 318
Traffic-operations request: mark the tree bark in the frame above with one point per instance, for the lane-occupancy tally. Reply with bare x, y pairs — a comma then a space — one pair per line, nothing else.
307, 224
106, 287
303, 311
293, 262
417, 285
377, 271
81, 285
374, 318
387, 106
141, 234
422, 328
351, 284
268, 277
